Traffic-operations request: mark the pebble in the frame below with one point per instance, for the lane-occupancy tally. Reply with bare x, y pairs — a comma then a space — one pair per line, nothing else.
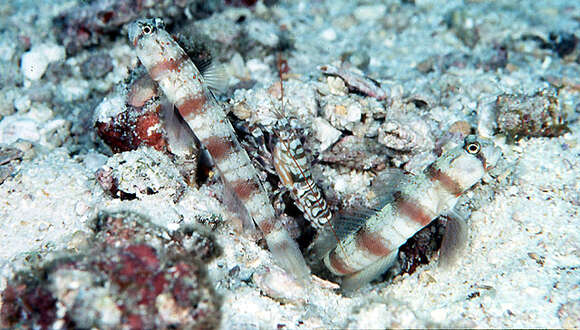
342, 112
370, 12
257, 67
14, 127
328, 34
74, 90
54, 132
263, 33
325, 133
7, 47
110, 107
277, 284
22, 103
237, 67
26, 148
144, 171
336, 86
94, 160
407, 136
35, 61
81, 208
7, 107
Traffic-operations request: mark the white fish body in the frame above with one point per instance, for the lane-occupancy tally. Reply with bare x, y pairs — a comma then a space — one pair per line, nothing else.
372, 249
184, 86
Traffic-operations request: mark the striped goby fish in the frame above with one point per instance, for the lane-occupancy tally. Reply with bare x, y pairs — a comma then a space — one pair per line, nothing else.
184, 86
372, 249
293, 169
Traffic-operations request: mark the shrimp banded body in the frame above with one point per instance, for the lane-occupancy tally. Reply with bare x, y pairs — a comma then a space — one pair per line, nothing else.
373, 248
184, 86
293, 168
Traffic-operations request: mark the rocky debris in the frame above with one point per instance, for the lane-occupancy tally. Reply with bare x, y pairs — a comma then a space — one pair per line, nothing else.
136, 114
97, 66
34, 62
262, 106
353, 113
463, 25
8, 157
277, 284
249, 32
130, 118
569, 314
325, 133
93, 23
130, 275
144, 171
357, 153
341, 112
36, 124
408, 136
540, 114
355, 81
489, 59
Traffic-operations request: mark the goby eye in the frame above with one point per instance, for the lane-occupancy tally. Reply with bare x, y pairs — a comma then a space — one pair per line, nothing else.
473, 147
146, 29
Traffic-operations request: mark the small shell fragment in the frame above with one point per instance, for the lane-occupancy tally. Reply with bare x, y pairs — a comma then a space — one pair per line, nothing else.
277, 284
356, 82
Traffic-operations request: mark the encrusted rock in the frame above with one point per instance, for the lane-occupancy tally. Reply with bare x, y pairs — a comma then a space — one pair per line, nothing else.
357, 153
407, 136
132, 275
342, 112
97, 66
534, 115
137, 114
336, 86
144, 171
125, 127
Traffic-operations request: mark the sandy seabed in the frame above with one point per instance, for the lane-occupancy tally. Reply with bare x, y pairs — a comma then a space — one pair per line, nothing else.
440, 63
